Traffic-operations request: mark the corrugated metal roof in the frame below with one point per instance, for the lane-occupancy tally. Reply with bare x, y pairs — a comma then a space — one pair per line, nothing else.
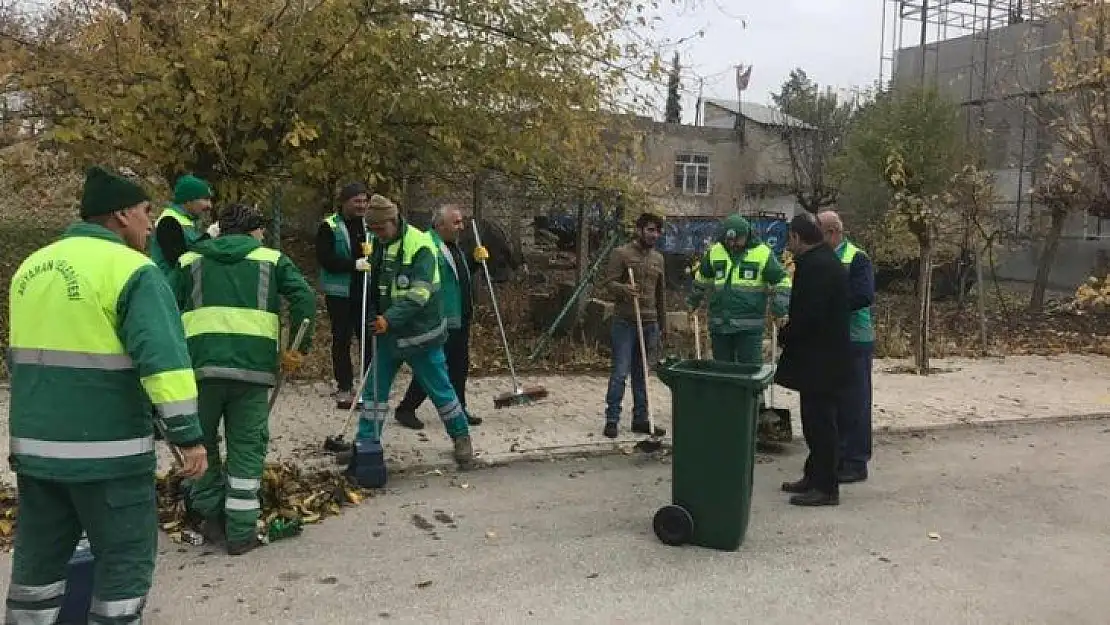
758, 113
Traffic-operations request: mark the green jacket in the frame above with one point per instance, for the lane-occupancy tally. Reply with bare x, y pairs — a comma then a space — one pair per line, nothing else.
406, 271
188, 225
738, 284
95, 340
454, 282
229, 290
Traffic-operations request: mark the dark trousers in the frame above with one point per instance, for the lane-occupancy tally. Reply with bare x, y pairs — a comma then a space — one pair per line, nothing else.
346, 317
854, 413
457, 352
819, 417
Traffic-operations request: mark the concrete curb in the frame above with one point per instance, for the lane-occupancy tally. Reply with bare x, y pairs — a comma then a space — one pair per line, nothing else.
612, 448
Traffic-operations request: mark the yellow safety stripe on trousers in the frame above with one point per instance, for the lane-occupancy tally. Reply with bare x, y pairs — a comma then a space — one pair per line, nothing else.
82, 450
231, 320
174, 392
44, 592
117, 608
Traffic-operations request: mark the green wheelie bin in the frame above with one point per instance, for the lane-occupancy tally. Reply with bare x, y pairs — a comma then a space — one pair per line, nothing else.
715, 409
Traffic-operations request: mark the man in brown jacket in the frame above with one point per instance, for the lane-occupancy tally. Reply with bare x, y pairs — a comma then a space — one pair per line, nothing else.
647, 266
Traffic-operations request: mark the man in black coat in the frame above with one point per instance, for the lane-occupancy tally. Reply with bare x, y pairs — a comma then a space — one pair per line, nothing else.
816, 356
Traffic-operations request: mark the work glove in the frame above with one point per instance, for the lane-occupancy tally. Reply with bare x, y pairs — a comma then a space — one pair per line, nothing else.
380, 325
481, 254
362, 264
367, 248
214, 230
194, 461
291, 360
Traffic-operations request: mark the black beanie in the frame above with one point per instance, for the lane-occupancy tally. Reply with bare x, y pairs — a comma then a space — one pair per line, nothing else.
351, 190
105, 193
240, 219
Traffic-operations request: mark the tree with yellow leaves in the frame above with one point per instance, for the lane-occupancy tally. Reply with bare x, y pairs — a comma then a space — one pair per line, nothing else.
1076, 177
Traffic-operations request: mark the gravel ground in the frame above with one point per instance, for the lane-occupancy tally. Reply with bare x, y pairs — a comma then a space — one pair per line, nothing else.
1013, 388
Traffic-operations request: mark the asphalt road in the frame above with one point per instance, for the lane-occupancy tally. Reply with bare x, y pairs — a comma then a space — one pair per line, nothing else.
1000, 526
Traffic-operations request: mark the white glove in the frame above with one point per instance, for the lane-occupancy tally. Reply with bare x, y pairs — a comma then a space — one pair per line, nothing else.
214, 230
362, 264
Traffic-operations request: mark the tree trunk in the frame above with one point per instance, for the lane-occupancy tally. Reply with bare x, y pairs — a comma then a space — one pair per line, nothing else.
981, 291
1048, 256
924, 306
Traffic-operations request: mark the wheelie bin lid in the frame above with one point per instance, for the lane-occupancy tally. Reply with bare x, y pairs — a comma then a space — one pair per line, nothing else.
754, 376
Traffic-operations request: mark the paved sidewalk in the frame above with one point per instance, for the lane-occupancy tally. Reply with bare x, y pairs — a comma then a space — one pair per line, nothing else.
570, 419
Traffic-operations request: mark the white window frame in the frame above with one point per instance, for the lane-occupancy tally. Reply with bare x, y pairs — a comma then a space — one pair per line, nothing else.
692, 164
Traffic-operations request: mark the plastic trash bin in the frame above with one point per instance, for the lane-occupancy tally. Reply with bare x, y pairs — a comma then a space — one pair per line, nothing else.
715, 409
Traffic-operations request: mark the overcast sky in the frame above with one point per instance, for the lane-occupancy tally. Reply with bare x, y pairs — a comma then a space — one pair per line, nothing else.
837, 42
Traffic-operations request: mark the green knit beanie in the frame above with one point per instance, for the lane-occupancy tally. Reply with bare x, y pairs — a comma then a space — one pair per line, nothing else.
189, 188
733, 226
105, 193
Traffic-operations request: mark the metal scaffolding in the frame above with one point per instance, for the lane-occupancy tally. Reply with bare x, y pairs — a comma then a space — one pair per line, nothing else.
953, 39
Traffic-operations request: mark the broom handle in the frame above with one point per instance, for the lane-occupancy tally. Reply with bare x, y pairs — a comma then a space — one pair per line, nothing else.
362, 334
697, 337
497, 312
643, 349
774, 349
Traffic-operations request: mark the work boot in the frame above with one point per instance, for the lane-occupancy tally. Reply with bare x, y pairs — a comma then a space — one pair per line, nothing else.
212, 529
408, 418
239, 547
343, 399
464, 450
471, 419
851, 475
642, 427
610, 430
814, 497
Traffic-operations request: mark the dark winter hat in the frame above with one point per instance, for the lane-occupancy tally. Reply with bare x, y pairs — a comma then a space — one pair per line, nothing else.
105, 193
354, 189
189, 188
241, 219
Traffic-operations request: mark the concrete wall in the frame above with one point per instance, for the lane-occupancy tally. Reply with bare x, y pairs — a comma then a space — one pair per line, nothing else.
990, 74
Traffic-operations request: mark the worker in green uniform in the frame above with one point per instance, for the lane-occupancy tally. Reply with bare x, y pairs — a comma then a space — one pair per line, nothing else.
178, 227
229, 290
95, 340
737, 274
409, 326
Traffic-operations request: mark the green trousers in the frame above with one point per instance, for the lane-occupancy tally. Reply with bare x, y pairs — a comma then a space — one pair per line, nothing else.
232, 489
120, 518
738, 347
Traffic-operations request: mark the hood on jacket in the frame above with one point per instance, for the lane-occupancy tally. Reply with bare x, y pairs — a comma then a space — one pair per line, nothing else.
227, 248
736, 226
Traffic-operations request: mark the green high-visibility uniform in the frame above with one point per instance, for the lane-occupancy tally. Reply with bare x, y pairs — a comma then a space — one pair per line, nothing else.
188, 225
229, 290
95, 340
737, 285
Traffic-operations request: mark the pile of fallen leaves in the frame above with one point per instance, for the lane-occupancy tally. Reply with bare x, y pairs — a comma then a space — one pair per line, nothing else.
288, 492
8, 505
1093, 295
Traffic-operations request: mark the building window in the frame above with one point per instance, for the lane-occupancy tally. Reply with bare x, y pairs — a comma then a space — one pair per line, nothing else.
691, 174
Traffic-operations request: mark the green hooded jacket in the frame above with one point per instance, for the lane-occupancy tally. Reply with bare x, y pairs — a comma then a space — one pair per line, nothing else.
229, 290
738, 283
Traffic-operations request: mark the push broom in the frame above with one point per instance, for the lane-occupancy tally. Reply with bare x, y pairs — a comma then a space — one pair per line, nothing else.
519, 395
336, 443
653, 443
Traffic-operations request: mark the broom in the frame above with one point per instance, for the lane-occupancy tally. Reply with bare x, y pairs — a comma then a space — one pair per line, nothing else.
519, 395
281, 372
652, 444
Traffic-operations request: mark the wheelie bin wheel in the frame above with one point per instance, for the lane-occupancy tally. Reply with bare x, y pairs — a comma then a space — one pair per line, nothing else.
673, 525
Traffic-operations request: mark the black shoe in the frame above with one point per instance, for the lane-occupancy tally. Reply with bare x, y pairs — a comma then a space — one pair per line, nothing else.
644, 428
239, 547
472, 420
815, 497
610, 430
851, 476
799, 487
408, 419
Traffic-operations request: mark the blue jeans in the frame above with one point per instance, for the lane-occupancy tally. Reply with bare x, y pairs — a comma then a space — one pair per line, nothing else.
626, 359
